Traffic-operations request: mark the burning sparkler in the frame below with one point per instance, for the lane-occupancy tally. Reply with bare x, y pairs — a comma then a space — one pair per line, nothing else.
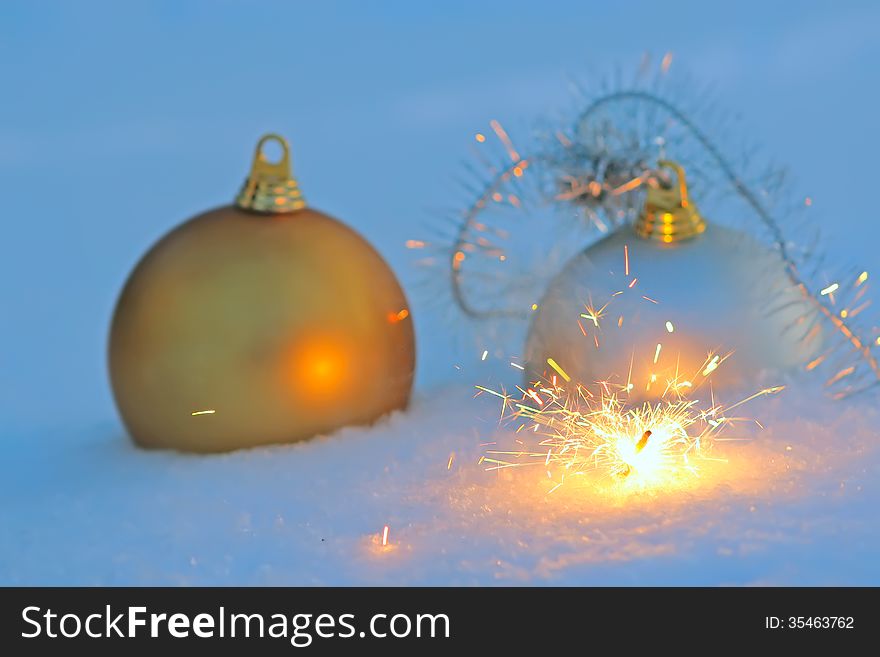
601, 435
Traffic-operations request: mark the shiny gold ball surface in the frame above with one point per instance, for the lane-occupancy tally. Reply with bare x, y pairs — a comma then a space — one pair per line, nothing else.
240, 329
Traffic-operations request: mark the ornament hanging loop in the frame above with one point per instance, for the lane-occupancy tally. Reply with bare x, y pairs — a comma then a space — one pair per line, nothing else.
270, 187
669, 215
262, 165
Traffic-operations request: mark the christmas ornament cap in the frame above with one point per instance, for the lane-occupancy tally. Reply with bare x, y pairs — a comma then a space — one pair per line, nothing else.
271, 188
669, 215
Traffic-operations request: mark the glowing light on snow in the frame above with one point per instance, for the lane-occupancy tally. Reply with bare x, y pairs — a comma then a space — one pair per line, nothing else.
380, 543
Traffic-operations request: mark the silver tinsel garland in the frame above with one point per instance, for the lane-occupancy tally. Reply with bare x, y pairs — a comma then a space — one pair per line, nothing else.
530, 210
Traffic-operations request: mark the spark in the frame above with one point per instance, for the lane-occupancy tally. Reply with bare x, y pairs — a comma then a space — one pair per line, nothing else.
505, 139
846, 371
712, 365
657, 352
534, 395
626, 259
831, 289
594, 315
490, 391
562, 139
766, 391
629, 374
669, 327
517, 366
451, 461
628, 186
649, 299
415, 244
480, 137
485, 354
399, 316
210, 411
385, 536
552, 363
855, 311
862, 278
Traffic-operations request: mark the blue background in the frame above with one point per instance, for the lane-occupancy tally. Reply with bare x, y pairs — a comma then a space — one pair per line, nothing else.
120, 120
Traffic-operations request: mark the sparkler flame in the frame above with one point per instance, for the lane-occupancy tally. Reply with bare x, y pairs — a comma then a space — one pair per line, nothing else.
599, 434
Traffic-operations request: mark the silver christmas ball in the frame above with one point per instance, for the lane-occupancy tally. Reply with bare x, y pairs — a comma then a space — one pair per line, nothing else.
681, 308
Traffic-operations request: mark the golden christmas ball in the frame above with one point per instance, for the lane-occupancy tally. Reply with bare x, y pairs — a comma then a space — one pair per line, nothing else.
668, 300
261, 322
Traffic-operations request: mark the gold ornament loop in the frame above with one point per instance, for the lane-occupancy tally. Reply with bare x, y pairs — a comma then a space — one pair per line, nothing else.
669, 215
270, 186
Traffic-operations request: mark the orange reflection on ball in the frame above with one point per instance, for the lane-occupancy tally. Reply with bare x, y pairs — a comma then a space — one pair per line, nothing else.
321, 367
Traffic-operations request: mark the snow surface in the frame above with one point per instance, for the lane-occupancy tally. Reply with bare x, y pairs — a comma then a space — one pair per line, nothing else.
796, 504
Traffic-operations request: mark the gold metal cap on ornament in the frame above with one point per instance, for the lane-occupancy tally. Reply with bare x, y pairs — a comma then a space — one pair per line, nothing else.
271, 187
669, 215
